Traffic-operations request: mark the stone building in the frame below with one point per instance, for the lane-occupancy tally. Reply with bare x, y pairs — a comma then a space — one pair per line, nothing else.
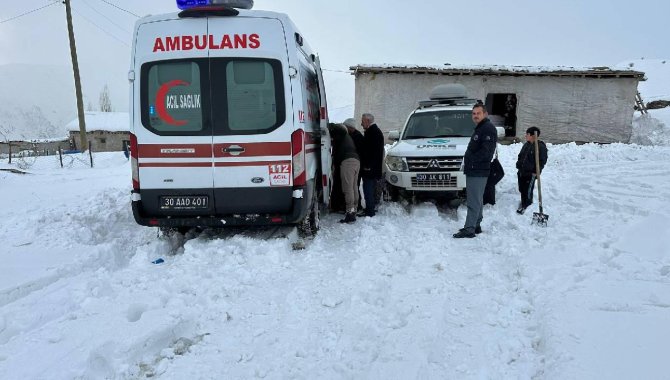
105, 131
568, 104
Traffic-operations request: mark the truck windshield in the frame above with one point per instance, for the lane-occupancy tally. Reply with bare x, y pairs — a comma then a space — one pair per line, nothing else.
448, 123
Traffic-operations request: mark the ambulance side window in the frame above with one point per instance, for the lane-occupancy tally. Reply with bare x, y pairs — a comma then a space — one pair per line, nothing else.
172, 97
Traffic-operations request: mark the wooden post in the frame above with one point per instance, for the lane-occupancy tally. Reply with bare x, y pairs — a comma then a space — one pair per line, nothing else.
77, 80
90, 153
10, 151
60, 156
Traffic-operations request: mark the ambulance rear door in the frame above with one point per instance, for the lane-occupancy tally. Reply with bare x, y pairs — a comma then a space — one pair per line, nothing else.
252, 115
326, 157
173, 128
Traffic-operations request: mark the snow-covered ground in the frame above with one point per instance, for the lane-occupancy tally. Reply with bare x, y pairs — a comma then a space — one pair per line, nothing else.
390, 297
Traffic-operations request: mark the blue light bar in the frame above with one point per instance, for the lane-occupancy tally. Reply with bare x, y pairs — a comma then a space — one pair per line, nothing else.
242, 4
186, 4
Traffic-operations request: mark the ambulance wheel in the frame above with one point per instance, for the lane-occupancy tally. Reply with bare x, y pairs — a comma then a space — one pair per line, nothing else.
167, 231
312, 222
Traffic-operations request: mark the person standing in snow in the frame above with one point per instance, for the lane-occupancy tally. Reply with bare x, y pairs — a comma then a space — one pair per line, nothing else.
476, 167
371, 162
346, 159
525, 165
358, 138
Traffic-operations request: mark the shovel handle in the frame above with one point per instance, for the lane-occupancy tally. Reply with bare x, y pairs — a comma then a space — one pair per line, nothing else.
537, 169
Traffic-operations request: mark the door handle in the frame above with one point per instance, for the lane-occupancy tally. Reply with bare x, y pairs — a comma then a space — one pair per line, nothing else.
234, 149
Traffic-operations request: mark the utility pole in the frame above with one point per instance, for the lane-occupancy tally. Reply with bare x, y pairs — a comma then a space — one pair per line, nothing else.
77, 81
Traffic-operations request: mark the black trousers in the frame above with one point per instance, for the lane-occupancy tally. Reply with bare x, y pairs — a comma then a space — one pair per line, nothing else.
526, 186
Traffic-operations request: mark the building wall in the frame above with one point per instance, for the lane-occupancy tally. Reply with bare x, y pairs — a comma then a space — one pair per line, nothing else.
564, 108
103, 141
38, 148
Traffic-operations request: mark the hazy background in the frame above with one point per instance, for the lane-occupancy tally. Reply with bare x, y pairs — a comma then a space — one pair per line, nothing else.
344, 33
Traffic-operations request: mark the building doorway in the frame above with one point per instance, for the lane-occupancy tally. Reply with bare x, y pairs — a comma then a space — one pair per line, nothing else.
502, 111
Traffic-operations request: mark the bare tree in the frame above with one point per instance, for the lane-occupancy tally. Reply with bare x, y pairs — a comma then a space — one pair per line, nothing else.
105, 101
4, 131
89, 107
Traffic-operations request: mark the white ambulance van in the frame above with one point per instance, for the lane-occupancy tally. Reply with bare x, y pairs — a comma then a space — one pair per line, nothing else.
228, 120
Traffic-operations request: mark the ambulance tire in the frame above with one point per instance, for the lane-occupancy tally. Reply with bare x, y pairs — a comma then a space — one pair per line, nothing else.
312, 222
168, 231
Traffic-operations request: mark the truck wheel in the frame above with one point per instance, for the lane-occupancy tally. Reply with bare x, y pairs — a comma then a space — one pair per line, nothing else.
392, 193
312, 222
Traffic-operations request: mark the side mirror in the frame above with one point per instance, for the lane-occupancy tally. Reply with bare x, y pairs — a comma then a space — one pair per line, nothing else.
394, 135
501, 132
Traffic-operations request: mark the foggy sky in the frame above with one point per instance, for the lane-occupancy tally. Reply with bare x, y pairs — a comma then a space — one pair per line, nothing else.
348, 32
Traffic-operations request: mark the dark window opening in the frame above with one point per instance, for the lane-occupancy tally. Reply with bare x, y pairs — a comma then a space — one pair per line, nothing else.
502, 111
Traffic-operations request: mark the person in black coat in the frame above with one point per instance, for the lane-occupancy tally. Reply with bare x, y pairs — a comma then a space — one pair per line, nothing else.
476, 167
525, 165
371, 161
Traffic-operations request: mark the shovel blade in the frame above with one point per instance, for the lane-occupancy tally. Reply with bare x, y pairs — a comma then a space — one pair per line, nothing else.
540, 219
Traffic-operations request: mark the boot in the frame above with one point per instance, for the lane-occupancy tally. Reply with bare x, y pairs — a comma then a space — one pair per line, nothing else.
464, 233
349, 217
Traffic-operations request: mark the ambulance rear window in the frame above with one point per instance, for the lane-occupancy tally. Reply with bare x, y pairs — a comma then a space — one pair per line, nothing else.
217, 96
173, 98
254, 96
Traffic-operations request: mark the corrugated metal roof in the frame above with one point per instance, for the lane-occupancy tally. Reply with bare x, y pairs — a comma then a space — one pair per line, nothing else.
497, 70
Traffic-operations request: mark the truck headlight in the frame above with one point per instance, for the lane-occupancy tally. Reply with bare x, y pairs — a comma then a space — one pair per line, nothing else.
396, 164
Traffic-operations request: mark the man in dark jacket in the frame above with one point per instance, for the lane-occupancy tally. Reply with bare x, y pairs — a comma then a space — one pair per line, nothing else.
346, 159
525, 165
371, 162
476, 166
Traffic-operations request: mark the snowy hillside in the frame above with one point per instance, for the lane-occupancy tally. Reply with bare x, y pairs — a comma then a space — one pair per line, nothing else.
37, 101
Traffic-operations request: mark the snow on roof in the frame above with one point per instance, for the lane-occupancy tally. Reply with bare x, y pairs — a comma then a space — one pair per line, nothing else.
592, 72
103, 121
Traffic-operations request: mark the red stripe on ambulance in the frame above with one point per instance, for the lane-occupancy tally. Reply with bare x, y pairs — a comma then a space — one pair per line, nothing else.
254, 149
251, 163
175, 151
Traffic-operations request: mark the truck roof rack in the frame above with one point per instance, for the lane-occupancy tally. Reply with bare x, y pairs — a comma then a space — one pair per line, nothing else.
447, 101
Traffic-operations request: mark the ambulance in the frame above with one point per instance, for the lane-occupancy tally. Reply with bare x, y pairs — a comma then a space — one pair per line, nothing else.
228, 120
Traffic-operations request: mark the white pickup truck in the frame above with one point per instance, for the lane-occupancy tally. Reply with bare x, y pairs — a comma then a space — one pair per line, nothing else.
427, 157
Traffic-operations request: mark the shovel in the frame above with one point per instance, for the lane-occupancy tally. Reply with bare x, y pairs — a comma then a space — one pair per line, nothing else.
539, 218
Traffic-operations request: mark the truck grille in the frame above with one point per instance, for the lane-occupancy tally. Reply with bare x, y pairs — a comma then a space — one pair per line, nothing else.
434, 164
434, 183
